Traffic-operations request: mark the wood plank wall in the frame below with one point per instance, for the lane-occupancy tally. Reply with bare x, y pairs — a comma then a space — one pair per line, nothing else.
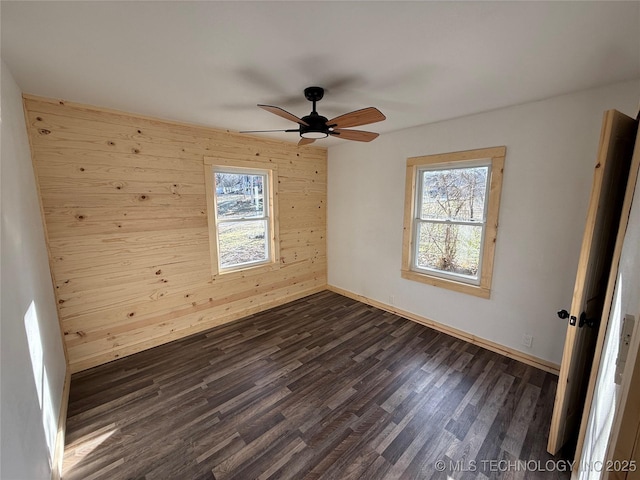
123, 201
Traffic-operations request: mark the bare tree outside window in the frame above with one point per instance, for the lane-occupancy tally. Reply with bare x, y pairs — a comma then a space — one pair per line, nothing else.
451, 211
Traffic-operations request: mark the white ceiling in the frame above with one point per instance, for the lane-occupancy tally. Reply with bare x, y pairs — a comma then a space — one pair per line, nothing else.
210, 63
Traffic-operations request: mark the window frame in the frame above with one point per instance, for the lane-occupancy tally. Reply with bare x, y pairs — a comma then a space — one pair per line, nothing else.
493, 158
219, 165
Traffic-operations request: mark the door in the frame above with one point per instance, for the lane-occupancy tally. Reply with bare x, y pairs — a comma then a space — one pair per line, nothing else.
603, 399
617, 139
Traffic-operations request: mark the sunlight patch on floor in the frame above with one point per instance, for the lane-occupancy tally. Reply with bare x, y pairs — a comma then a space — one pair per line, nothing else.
77, 451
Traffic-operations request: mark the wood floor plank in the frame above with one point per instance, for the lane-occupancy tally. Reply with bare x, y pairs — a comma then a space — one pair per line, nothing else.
321, 388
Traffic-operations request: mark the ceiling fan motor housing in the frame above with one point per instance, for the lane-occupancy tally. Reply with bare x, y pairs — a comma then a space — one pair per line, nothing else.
317, 126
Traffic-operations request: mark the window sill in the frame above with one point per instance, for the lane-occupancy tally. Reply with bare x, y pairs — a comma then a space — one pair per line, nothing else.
245, 272
476, 290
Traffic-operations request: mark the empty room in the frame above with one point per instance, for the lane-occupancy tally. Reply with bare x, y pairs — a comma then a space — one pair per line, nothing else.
320, 240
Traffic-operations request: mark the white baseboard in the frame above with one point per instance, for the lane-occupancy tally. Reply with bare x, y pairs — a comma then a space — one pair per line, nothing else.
58, 454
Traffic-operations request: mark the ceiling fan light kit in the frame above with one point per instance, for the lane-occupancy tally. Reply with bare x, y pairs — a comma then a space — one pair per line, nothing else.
315, 126
314, 135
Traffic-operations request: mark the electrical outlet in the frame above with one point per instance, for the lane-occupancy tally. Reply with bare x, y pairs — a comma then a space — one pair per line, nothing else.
392, 299
527, 340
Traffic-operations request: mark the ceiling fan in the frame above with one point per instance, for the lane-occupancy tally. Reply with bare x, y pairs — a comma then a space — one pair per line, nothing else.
314, 125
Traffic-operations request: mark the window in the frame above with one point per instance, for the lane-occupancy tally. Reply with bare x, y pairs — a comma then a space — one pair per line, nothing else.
451, 219
241, 209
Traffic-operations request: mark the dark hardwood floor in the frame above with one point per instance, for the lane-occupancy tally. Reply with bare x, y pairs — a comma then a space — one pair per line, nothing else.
321, 388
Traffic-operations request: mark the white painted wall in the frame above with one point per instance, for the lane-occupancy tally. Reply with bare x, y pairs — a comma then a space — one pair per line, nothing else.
25, 279
551, 150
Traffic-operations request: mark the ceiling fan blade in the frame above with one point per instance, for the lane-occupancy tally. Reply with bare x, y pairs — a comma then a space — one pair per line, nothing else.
284, 114
306, 141
267, 131
357, 118
357, 135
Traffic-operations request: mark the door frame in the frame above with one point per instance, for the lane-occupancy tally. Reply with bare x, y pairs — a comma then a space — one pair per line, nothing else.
604, 214
627, 416
606, 311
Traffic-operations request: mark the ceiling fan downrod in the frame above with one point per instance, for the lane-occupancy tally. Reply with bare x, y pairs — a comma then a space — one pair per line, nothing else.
314, 94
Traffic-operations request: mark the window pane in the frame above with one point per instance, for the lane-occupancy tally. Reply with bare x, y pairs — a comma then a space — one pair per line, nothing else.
242, 242
455, 194
449, 248
239, 196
